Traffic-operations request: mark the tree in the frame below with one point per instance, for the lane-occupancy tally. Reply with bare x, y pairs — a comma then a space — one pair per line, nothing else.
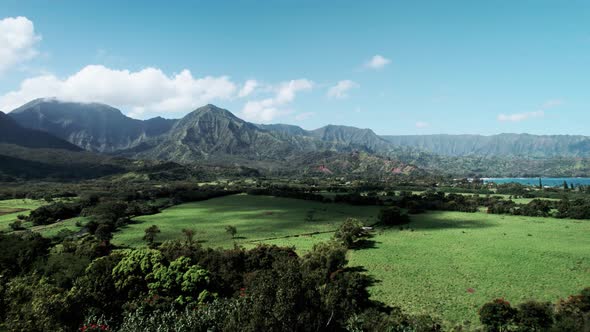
189, 235
103, 233
17, 225
565, 186
535, 316
392, 216
350, 232
309, 217
231, 230
150, 234
497, 315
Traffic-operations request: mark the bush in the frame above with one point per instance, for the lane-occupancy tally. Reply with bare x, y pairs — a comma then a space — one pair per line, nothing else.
350, 232
497, 315
535, 316
393, 216
17, 225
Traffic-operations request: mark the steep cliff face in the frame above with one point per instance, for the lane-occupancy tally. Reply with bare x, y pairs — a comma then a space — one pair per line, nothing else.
498, 145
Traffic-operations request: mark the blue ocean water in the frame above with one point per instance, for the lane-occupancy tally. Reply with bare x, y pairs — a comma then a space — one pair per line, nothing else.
550, 182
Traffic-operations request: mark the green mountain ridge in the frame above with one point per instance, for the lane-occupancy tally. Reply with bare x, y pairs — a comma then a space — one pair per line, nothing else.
214, 136
91, 126
523, 145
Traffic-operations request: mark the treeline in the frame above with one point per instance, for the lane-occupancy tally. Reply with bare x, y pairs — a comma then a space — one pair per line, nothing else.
431, 200
571, 314
107, 213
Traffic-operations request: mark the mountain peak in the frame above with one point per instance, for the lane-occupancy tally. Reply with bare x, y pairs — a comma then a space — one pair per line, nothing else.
214, 111
53, 102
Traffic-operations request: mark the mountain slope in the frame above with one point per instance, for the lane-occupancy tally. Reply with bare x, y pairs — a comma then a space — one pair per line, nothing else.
214, 133
12, 133
91, 126
364, 139
524, 145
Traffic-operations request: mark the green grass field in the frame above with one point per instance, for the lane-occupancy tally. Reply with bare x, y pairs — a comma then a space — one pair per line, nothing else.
53, 229
255, 217
454, 262
11, 208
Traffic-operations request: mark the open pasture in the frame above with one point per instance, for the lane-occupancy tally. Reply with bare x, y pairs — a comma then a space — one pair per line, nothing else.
11, 208
255, 217
452, 262
445, 262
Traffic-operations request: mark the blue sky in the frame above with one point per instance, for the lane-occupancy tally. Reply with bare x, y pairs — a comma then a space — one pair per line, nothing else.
398, 67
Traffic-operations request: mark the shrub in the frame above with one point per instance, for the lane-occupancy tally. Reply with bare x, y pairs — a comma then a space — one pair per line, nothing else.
497, 315
350, 232
535, 316
393, 216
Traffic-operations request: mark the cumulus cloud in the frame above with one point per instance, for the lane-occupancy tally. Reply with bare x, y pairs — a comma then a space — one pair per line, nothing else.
377, 62
517, 117
266, 110
17, 41
340, 90
422, 124
248, 88
143, 91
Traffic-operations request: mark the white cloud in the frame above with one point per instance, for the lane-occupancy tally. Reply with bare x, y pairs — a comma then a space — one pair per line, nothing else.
248, 88
516, 117
304, 116
377, 62
422, 124
17, 41
340, 90
144, 91
552, 103
266, 110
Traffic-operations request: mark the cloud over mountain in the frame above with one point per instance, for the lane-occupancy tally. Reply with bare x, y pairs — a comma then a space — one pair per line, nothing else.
144, 91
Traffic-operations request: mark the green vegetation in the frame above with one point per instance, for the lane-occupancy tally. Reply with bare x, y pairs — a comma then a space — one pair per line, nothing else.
449, 262
255, 218
453, 262
10, 210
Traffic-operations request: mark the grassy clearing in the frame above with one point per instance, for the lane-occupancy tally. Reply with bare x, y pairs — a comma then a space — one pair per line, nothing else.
255, 217
11, 208
53, 229
454, 262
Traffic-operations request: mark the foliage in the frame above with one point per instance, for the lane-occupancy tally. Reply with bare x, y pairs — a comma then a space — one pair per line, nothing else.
392, 216
497, 315
350, 232
150, 234
231, 230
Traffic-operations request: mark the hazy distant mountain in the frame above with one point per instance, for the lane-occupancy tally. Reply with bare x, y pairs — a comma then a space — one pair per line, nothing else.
336, 136
523, 145
92, 126
12, 133
364, 139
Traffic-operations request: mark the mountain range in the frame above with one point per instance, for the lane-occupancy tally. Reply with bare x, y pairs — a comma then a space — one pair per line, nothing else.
212, 135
